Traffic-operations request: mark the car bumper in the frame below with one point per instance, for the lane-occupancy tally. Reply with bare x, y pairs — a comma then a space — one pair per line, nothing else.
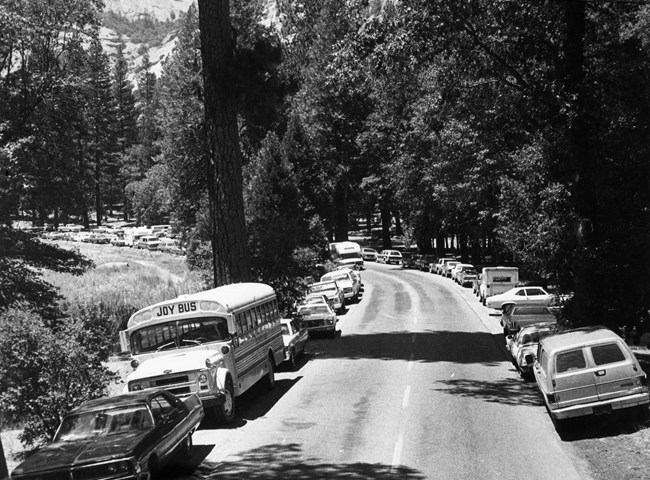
596, 408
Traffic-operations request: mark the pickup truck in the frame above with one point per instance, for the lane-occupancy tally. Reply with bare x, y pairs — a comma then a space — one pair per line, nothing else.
129, 436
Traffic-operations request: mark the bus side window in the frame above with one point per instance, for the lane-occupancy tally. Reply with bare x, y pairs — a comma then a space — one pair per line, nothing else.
241, 323
258, 314
265, 312
249, 320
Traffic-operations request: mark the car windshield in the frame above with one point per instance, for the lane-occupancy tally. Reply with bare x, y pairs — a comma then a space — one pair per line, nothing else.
337, 276
535, 337
101, 423
314, 310
322, 288
469, 271
285, 329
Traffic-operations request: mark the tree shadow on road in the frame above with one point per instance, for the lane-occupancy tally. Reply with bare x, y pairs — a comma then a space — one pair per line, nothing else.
428, 346
507, 391
289, 461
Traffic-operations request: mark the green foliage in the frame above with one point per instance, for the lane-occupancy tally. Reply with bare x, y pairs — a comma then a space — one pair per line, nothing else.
22, 256
47, 371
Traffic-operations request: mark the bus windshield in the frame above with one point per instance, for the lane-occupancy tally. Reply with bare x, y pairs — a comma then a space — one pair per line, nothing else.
188, 332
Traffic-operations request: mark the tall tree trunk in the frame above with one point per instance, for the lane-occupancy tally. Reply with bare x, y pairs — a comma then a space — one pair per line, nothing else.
229, 239
385, 224
369, 222
98, 189
341, 212
581, 167
398, 224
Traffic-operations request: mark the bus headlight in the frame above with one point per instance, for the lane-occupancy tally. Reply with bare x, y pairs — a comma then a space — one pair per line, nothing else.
203, 378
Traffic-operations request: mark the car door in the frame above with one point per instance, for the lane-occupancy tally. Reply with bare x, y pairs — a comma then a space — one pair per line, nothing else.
574, 379
167, 418
615, 372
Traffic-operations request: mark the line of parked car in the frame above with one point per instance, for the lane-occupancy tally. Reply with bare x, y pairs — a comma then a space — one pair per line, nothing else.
155, 238
579, 372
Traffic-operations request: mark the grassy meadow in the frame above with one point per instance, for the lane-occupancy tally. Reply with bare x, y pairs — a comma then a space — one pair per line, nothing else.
123, 281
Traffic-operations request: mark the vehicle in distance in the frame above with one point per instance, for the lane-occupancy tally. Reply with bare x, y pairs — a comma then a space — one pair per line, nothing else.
369, 254
390, 256
449, 267
295, 340
317, 318
344, 281
520, 296
133, 435
588, 371
332, 291
347, 253
148, 242
465, 274
519, 316
410, 259
441, 264
496, 280
523, 345
424, 262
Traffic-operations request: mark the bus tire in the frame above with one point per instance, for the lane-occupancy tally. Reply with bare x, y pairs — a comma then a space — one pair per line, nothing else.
225, 413
269, 378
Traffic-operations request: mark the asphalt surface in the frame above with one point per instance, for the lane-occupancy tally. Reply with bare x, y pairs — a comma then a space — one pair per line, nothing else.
417, 385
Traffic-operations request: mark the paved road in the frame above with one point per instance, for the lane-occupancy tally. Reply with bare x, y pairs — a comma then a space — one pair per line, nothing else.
417, 386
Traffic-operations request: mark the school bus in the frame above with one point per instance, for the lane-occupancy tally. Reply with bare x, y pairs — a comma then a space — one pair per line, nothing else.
216, 343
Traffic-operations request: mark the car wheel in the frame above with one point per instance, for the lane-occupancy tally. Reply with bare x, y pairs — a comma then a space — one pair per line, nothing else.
292, 359
269, 380
225, 412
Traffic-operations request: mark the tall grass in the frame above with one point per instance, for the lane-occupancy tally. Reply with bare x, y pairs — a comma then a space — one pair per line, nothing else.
116, 288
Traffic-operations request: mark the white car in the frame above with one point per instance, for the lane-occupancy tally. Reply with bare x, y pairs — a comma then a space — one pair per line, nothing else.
519, 296
318, 318
523, 346
295, 340
390, 256
345, 281
369, 254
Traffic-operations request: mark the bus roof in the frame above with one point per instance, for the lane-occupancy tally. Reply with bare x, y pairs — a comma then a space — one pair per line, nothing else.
231, 297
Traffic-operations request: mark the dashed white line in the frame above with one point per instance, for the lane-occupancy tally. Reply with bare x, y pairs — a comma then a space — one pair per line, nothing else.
397, 452
407, 394
411, 358
413, 338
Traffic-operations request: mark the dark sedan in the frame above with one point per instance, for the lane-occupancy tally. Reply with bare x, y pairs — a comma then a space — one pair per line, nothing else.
129, 436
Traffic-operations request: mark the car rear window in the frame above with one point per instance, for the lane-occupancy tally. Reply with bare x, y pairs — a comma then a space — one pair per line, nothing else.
530, 311
571, 360
604, 354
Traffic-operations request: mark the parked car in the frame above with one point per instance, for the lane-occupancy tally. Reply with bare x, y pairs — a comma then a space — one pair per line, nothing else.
345, 281
449, 267
441, 265
588, 371
369, 254
523, 345
424, 262
496, 280
118, 241
356, 274
316, 298
332, 291
133, 435
295, 339
459, 268
465, 275
148, 242
171, 245
520, 296
409, 259
390, 256
519, 316
318, 318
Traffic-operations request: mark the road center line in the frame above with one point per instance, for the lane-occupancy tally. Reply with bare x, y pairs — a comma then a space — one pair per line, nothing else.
397, 452
411, 358
407, 394
413, 338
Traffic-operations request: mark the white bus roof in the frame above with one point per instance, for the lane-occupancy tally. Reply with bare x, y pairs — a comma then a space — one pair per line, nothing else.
230, 297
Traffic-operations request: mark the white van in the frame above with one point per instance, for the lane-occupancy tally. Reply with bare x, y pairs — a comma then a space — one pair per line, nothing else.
588, 371
496, 280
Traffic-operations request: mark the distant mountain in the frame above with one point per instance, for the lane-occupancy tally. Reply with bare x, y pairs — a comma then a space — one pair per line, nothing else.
162, 10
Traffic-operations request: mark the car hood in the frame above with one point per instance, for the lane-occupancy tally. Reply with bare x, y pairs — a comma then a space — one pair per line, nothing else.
69, 454
173, 363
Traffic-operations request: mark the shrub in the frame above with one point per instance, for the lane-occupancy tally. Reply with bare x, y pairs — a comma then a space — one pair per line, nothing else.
46, 371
